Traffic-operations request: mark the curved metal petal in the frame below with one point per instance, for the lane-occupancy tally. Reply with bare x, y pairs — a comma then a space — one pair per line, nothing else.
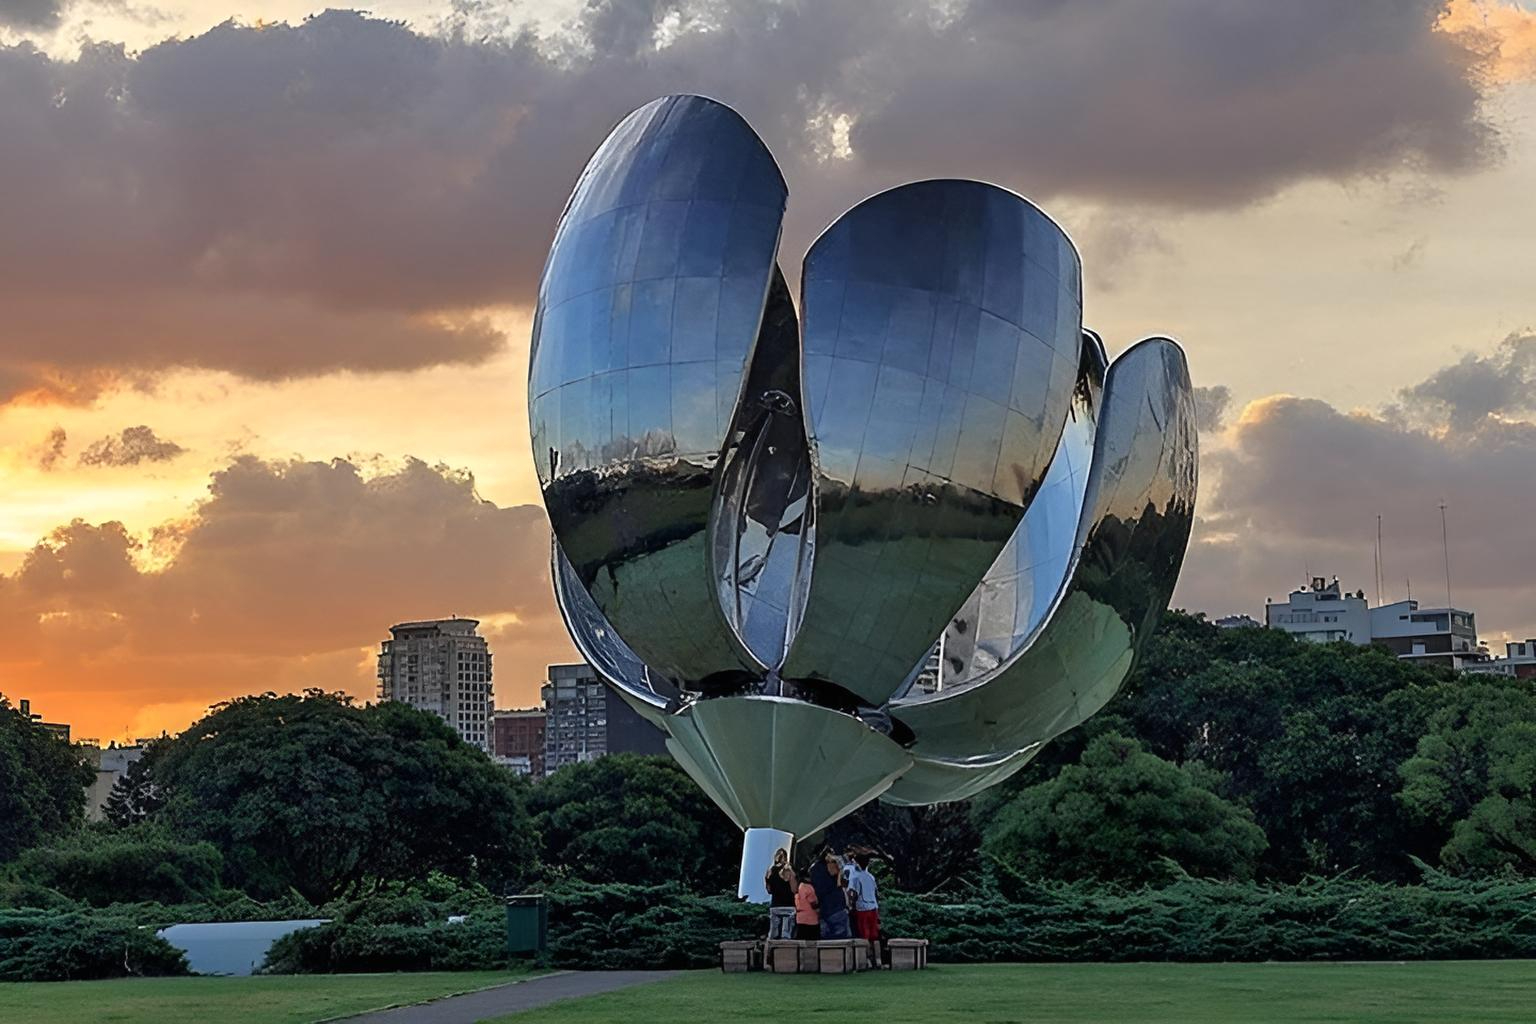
780, 763
649, 304
1028, 579
763, 523
942, 334
1138, 512
931, 781
602, 647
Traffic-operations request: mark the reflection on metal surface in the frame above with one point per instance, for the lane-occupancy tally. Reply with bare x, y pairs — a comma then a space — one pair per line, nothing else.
764, 523
763, 520
1023, 585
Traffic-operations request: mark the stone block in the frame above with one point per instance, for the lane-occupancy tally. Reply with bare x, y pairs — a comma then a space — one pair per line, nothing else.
810, 960
783, 956
836, 956
908, 954
736, 957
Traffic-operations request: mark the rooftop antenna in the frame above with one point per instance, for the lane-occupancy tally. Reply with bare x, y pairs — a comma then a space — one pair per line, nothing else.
1378, 560
1410, 588
1445, 543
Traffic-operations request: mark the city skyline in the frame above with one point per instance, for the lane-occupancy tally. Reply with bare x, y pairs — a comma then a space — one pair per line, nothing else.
261, 382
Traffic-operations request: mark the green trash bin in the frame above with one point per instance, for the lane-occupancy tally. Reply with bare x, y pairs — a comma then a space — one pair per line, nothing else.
527, 923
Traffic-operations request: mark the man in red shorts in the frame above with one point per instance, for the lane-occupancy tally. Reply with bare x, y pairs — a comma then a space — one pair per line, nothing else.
865, 899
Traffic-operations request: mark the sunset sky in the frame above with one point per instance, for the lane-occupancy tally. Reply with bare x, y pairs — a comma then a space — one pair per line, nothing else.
266, 274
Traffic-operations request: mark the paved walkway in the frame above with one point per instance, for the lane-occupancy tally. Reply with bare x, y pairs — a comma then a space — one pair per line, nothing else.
504, 999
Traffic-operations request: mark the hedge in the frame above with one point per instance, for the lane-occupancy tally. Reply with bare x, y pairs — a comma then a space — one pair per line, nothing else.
608, 927
613, 927
44, 945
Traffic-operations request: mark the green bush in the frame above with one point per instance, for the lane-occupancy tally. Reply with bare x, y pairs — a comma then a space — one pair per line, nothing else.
102, 869
341, 947
40, 945
1123, 815
611, 927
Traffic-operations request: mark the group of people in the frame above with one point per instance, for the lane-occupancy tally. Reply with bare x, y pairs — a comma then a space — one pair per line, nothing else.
836, 898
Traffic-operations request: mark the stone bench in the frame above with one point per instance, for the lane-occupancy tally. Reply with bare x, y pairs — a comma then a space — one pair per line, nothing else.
908, 954
741, 956
824, 956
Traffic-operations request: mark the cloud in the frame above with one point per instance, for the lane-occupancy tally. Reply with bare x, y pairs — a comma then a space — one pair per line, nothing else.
287, 570
1504, 33
133, 446
1503, 383
46, 455
30, 15
1296, 491
1410, 257
345, 193
1111, 244
1211, 407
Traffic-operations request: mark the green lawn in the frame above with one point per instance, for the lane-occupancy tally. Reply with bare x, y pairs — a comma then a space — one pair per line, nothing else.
1446, 993
292, 999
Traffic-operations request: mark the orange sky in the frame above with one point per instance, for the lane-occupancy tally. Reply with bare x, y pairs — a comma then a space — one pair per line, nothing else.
308, 277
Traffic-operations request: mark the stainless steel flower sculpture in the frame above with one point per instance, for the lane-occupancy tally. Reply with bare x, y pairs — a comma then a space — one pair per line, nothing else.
887, 547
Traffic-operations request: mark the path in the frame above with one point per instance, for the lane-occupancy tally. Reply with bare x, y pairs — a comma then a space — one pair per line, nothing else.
504, 999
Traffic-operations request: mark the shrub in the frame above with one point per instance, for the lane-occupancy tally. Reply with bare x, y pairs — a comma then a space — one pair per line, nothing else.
38, 945
615, 926
341, 947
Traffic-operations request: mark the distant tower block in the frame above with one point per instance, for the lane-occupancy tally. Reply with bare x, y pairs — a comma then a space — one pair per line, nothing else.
442, 666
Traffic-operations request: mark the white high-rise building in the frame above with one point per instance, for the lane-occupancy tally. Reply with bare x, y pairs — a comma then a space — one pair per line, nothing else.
442, 666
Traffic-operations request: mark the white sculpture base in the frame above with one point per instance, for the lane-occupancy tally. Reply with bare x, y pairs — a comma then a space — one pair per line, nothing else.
758, 846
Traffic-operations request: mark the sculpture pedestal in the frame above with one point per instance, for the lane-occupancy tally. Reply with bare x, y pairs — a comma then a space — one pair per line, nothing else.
758, 846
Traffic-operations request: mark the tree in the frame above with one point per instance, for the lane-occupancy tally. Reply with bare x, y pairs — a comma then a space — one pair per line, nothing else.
1117, 814
316, 795
1309, 736
128, 866
1472, 779
630, 818
42, 783
923, 848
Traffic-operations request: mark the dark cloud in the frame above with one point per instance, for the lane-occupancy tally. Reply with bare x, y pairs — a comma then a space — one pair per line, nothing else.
1480, 386
30, 14
282, 566
286, 200
1211, 407
133, 446
1191, 102
1297, 489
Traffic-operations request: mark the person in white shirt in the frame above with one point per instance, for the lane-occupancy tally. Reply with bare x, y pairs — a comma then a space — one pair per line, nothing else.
865, 899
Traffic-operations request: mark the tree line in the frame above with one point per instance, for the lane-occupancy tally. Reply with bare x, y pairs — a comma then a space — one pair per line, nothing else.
1235, 755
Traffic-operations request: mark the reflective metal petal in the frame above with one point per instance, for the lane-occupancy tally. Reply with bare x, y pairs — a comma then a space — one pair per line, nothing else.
942, 338
602, 647
779, 763
763, 522
1138, 512
649, 305
931, 781
1018, 592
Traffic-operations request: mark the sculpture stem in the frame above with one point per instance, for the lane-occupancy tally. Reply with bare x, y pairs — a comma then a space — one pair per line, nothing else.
758, 845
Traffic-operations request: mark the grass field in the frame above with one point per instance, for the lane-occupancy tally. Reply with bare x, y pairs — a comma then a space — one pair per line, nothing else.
1445, 993
296, 999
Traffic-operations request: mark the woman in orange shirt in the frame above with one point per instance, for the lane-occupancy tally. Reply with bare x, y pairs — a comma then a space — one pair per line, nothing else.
807, 920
